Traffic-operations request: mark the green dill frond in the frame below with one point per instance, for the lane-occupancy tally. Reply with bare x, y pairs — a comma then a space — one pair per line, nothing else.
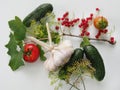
81, 67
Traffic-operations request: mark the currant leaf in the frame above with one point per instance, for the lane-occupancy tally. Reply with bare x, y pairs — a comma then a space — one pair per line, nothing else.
15, 63
15, 54
18, 28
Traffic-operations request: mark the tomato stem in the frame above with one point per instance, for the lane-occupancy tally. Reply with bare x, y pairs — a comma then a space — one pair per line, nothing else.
28, 52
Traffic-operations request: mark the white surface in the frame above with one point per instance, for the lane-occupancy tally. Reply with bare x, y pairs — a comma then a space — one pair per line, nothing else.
33, 76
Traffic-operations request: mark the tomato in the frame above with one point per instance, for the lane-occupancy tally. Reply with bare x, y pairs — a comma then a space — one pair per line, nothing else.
100, 22
31, 53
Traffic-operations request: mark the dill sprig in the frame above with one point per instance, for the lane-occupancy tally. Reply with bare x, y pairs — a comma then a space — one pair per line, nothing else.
81, 67
72, 74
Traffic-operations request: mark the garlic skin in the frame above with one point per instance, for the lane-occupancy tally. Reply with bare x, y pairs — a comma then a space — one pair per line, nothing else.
60, 55
49, 64
65, 43
62, 58
57, 58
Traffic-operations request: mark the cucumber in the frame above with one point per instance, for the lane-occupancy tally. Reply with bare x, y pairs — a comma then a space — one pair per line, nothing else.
38, 13
96, 60
76, 56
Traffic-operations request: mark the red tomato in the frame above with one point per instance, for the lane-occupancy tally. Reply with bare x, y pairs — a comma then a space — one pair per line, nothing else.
31, 53
100, 22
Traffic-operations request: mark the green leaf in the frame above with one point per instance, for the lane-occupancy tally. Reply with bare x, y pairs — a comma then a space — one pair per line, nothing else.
18, 28
42, 57
55, 37
16, 60
15, 45
85, 42
16, 56
12, 45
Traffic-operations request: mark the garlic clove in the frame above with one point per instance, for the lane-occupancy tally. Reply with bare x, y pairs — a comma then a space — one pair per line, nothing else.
62, 53
67, 52
58, 57
49, 64
65, 43
62, 56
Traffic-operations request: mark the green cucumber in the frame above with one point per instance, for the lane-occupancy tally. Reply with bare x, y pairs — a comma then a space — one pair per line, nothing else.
38, 13
76, 56
96, 60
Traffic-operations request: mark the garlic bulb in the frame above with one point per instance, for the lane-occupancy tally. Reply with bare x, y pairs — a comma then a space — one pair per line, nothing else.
60, 55
65, 50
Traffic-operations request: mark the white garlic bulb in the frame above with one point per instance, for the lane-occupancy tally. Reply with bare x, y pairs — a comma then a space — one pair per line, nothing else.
60, 55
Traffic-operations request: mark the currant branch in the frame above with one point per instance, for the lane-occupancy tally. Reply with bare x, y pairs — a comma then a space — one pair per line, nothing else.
105, 40
64, 34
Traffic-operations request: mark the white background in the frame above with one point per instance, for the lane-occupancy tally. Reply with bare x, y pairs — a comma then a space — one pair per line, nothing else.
33, 76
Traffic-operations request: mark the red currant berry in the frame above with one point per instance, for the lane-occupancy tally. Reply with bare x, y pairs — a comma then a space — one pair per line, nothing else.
78, 19
89, 18
101, 31
75, 20
63, 23
83, 20
57, 27
65, 15
82, 34
91, 15
97, 9
62, 18
58, 19
105, 31
80, 25
87, 33
112, 40
84, 30
66, 19
97, 36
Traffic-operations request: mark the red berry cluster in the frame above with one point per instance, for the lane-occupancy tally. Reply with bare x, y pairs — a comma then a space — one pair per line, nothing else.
101, 32
65, 21
85, 23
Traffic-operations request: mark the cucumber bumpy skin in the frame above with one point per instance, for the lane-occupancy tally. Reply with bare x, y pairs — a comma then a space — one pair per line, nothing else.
96, 61
76, 56
38, 13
